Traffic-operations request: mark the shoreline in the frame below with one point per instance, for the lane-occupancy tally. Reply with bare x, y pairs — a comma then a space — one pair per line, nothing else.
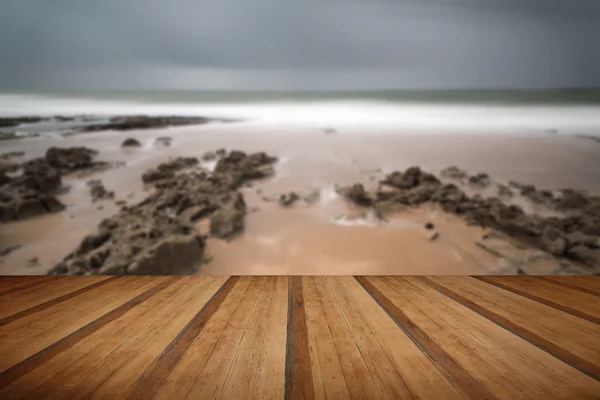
309, 159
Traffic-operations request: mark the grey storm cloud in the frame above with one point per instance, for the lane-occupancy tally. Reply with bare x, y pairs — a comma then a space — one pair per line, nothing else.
297, 44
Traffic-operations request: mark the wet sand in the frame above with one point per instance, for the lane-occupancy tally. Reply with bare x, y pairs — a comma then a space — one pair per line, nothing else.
307, 239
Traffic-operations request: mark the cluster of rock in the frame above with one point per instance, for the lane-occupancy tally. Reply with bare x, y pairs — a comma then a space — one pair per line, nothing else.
127, 123
11, 122
576, 235
32, 192
98, 191
158, 235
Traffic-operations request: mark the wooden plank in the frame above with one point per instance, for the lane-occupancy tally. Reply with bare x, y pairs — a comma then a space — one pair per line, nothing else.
553, 282
358, 377
24, 337
462, 380
181, 379
507, 365
19, 306
416, 370
588, 284
361, 342
46, 353
211, 380
579, 304
298, 374
245, 366
117, 371
102, 360
76, 360
152, 368
328, 375
269, 381
21, 284
8, 283
568, 338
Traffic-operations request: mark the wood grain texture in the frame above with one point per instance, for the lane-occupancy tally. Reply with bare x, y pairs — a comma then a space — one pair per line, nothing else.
574, 302
154, 376
588, 359
481, 347
24, 365
462, 380
298, 371
22, 305
587, 284
299, 337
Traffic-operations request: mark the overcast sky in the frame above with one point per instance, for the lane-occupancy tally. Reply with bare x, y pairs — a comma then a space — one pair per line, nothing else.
298, 44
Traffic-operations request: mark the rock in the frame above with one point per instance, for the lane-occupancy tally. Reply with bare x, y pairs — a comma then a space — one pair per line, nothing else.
28, 208
154, 175
71, 158
121, 203
11, 154
504, 191
329, 131
554, 241
227, 222
313, 197
569, 199
4, 179
357, 194
409, 179
98, 191
453, 172
175, 255
286, 200
586, 255
9, 122
92, 242
429, 226
580, 238
221, 152
209, 156
131, 142
481, 180
450, 197
433, 235
7, 249
33, 262
127, 123
196, 213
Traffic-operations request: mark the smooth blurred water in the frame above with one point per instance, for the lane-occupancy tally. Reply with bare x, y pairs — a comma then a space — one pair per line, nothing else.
511, 111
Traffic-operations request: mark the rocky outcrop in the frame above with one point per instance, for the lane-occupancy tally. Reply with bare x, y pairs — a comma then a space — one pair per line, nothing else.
453, 172
32, 193
9, 122
98, 191
357, 194
286, 200
481, 180
131, 142
71, 159
158, 235
167, 170
127, 123
575, 236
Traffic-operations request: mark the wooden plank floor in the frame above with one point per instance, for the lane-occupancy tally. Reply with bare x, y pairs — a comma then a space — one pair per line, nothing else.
299, 337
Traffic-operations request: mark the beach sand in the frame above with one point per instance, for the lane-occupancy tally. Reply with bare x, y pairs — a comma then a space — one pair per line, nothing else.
318, 238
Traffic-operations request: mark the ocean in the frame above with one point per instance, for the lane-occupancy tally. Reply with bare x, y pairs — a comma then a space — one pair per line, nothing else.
569, 110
